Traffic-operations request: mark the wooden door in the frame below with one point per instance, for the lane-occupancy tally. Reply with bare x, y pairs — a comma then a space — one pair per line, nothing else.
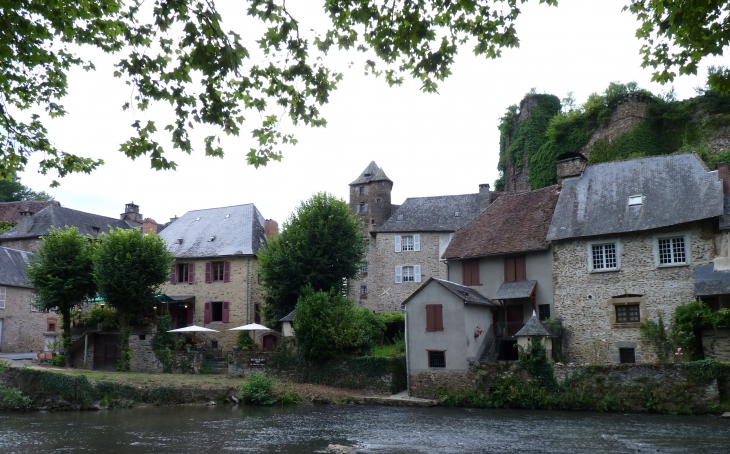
514, 319
106, 351
269, 343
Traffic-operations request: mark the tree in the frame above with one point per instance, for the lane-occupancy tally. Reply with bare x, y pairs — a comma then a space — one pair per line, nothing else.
62, 273
13, 191
130, 268
320, 246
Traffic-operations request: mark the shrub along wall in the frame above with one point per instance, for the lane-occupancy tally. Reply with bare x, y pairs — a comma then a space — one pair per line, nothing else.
690, 388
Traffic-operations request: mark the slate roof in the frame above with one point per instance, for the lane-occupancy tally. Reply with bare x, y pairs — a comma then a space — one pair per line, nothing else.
466, 294
675, 189
236, 230
514, 222
709, 281
371, 173
533, 327
513, 290
60, 217
289, 317
432, 214
9, 210
12, 267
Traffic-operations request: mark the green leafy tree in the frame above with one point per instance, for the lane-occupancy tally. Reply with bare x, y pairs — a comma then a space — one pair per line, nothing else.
13, 191
327, 324
320, 246
62, 273
130, 268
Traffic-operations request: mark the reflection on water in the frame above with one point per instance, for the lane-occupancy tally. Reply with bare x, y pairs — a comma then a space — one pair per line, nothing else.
304, 429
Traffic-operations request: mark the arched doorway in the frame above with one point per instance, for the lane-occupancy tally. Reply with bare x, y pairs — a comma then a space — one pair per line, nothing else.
269, 343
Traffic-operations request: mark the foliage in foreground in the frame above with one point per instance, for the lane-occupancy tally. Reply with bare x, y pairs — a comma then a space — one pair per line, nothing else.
259, 389
13, 399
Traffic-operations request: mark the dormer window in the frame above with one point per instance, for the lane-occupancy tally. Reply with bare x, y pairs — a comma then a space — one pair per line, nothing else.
197, 219
399, 217
179, 241
228, 216
367, 175
211, 238
635, 200
456, 214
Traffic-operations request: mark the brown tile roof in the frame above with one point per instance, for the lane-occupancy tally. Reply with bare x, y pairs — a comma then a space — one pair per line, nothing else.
514, 222
9, 210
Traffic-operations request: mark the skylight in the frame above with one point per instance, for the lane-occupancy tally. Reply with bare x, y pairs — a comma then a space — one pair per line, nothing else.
636, 200
197, 219
399, 217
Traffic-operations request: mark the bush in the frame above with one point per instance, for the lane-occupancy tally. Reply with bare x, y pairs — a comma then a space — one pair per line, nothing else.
244, 340
13, 399
58, 361
258, 389
104, 315
395, 324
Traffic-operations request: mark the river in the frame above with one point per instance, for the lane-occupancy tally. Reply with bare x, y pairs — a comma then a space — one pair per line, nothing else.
306, 429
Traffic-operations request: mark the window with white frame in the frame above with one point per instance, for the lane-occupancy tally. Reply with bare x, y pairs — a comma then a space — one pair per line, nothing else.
604, 257
672, 251
407, 242
3, 296
407, 273
363, 267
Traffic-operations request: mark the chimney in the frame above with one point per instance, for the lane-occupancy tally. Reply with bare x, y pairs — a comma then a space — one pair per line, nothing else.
131, 215
570, 165
149, 225
25, 221
485, 196
724, 175
271, 229
173, 219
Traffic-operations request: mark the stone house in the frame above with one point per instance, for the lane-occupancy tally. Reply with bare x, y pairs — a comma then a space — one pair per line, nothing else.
405, 242
504, 255
628, 238
214, 281
445, 328
10, 211
22, 327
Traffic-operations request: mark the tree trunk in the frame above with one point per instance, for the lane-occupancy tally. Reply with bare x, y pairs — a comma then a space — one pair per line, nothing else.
124, 331
66, 335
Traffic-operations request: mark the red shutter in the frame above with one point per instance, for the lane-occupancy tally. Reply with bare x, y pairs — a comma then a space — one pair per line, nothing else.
509, 270
226, 271
191, 272
191, 311
520, 270
173, 275
466, 272
206, 317
438, 317
225, 312
430, 324
208, 273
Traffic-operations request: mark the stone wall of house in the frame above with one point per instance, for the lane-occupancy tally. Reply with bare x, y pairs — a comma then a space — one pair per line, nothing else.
27, 244
427, 384
716, 344
143, 357
389, 295
78, 357
24, 329
582, 298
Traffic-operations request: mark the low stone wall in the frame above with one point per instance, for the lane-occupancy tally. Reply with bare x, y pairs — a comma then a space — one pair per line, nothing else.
716, 344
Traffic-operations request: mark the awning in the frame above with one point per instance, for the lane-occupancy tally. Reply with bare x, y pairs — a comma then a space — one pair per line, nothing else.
709, 281
513, 290
182, 298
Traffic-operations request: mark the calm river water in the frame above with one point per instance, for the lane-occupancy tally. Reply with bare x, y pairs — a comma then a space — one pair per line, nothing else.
305, 429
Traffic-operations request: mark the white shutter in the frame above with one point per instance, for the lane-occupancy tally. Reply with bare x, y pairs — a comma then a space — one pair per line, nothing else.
416, 273
398, 274
397, 243
416, 242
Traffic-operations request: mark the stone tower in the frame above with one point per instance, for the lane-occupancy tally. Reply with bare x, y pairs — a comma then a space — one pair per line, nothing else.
370, 198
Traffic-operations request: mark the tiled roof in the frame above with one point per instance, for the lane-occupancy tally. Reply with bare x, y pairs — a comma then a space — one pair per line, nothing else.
432, 214
12, 267
60, 217
514, 222
671, 189
371, 173
466, 294
214, 232
709, 281
289, 317
9, 210
513, 290
533, 327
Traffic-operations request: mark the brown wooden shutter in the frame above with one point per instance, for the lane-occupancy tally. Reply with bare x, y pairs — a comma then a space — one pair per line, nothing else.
225, 312
466, 272
206, 316
520, 269
191, 311
430, 321
509, 270
191, 273
208, 273
475, 272
173, 275
257, 313
438, 317
226, 271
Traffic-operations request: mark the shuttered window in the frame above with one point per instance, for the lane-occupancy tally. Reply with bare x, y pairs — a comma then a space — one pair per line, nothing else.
217, 311
434, 317
514, 269
3, 296
407, 242
470, 272
217, 272
183, 273
407, 274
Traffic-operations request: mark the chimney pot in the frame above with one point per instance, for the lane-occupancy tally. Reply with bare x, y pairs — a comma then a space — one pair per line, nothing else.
485, 196
724, 175
271, 229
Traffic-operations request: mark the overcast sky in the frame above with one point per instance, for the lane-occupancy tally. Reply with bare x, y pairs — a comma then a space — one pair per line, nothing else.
428, 144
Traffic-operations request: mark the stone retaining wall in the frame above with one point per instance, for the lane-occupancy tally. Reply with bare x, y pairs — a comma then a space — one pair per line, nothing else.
716, 344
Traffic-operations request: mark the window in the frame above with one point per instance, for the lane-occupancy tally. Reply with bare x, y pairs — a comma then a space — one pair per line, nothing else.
407, 243
256, 313
410, 273
183, 273
216, 311
470, 272
51, 324
372, 221
378, 201
628, 314
544, 311
635, 200
627, 355
436, 358
3, 297
362, 208
604, 257
399, 217
434, 317
515, 269
672, 251
361, 190
364, 268
217, 272
142, 337
380, 183
363, 291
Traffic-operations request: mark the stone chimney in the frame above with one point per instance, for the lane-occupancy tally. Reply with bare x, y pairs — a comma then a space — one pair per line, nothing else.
173, 219
131, 215
570, 165
271, 229
149, 225
724, 175
485, 196
25, 221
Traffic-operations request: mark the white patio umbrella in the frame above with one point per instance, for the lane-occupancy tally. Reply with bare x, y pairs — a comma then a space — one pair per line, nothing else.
193, 329
250, 327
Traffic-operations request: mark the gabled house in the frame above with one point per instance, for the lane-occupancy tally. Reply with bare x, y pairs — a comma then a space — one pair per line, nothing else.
22, 327
214, 282
504, 255
628, 239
